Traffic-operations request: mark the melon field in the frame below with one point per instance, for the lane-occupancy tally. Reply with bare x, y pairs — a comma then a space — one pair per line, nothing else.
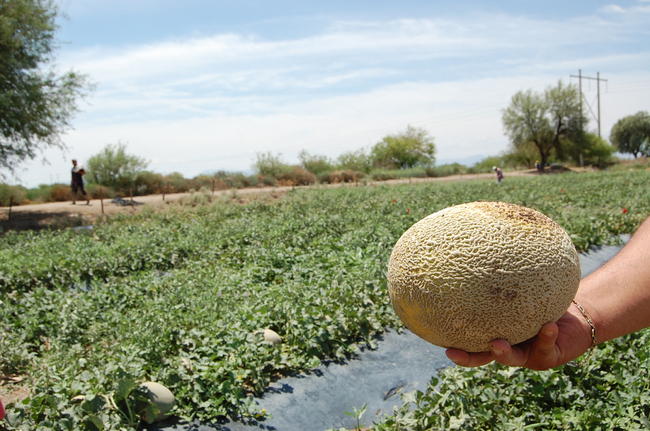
180, 296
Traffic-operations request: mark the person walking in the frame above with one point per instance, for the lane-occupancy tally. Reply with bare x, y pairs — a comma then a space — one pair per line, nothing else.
499, 173
77, 183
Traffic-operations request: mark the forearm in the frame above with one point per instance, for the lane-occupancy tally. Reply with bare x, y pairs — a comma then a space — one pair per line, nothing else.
617, 296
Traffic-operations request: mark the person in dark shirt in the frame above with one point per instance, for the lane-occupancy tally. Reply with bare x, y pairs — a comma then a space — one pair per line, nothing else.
499, 173
77, 183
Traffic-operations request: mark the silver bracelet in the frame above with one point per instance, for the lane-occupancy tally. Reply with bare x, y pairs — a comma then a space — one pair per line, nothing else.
593, 336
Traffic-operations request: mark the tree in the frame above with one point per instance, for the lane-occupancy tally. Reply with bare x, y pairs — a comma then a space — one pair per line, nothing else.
549, 120
522, 155
36, 104
269, 164
112, 167
357, 160
631, 134
314, 163
598, 152
405, 150
590, 149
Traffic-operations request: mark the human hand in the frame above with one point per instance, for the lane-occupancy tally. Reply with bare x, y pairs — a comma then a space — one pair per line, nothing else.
556, 344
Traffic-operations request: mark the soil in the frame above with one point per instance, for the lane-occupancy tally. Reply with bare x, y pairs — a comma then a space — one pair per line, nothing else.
11, 390
66, 214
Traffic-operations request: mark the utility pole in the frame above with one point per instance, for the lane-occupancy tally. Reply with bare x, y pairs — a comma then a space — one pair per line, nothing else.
597, 79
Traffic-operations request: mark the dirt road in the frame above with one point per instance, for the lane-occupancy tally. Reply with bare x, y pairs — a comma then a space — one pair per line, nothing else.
63, 214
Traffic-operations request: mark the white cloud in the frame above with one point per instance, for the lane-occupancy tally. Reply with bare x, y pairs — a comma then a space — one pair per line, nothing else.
347, 51
612, 8
632, 10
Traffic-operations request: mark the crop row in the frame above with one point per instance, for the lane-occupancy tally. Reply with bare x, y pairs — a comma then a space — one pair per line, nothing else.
611, 392
179, 296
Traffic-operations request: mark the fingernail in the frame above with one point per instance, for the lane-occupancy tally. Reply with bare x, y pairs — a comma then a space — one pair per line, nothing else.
548, 332
497, 351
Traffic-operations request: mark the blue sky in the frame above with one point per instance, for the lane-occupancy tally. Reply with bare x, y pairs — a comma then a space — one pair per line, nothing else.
203, 85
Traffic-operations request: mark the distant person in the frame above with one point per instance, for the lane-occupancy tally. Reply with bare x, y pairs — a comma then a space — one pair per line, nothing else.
77, 183
499, 173
538, 166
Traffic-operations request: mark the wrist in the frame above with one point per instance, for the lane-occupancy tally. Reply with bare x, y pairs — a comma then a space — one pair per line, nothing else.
590, 337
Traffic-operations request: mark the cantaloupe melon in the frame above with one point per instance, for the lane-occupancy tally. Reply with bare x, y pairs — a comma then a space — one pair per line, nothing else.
272, 336
472, 273
161, 396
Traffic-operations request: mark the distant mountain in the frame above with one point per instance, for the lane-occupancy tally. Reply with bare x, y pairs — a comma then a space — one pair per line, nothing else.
466, 161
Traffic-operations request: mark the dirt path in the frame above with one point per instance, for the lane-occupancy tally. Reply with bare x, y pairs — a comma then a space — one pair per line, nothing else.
62, 214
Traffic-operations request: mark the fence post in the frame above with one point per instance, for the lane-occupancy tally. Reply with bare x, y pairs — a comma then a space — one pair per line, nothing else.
165, 189
212, 186
101, 198
131, 194
11, 203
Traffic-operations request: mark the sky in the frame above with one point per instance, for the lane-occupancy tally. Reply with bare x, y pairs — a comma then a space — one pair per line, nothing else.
205, 85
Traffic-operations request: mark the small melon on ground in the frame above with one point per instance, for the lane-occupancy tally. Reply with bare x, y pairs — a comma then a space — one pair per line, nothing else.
272, 336
472, 273
161, 396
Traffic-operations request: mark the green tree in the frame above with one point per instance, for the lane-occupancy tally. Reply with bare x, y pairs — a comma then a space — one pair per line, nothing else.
314, 163
590, 149
269, 164
405, 150
113, 167
176, 183
599, 152
354, 161
631, 134
522, 155
36, 103
548, 120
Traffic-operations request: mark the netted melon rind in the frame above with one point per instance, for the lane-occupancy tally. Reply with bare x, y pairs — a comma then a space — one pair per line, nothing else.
475, 272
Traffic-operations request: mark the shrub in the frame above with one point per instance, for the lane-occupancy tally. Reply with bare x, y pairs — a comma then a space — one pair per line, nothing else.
357, 160
148, 183
266, 180
382, 176
225, 180
11, 195
60, 193
297, 176
336, 177
202, 197
447, 170
268, 164
175, 183
115, 168
96, 191
417, 172
314, 163
40, 194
